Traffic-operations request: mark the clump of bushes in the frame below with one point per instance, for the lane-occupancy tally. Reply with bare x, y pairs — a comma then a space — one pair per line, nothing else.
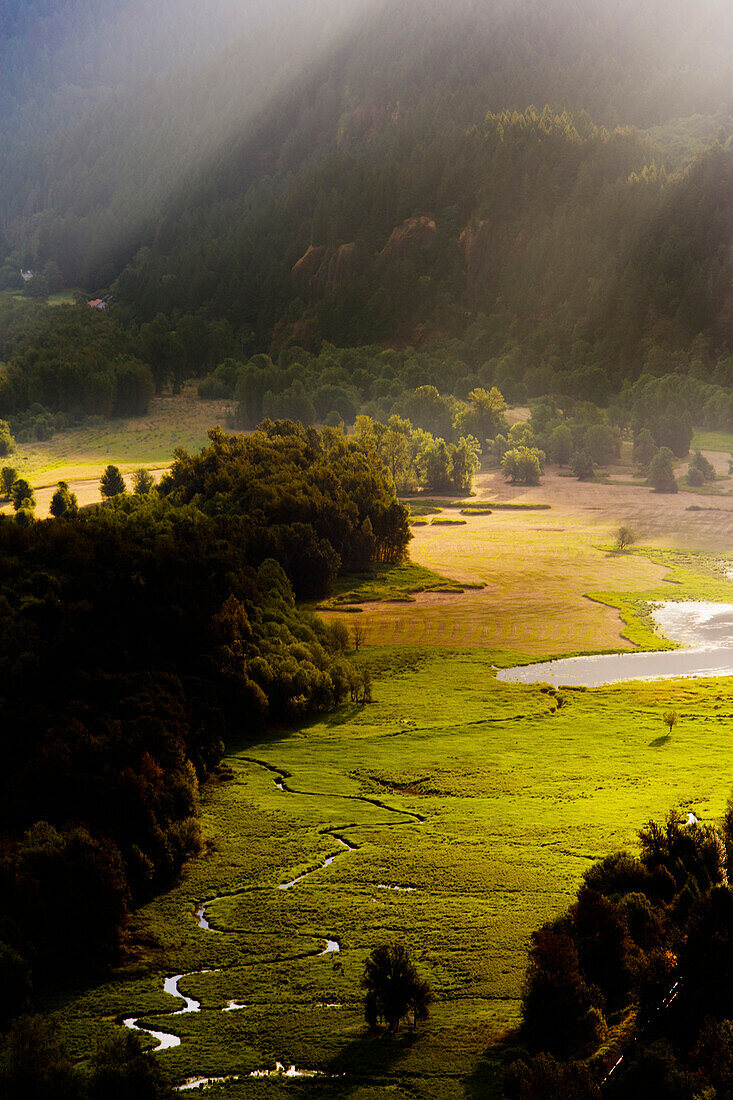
700, 470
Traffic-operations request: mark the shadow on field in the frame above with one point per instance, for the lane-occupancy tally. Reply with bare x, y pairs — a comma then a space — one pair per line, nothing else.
485, 1081
344, 715
366, 1064
659, 741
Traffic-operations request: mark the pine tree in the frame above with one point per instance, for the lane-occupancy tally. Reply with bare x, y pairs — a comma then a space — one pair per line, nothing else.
112, 483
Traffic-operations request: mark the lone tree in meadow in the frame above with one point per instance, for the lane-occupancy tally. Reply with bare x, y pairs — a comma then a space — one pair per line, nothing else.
22, 494
523, 465
624, 537
112, 483
358, 636
700, 470
394, 989
661, 472
670, 719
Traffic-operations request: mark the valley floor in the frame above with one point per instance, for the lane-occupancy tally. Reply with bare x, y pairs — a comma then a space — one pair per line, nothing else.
517, 798
483, 802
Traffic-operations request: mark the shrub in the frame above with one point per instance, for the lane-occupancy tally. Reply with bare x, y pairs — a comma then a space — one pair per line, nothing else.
64, 502
661, 472
7, 478
624, 537
582, 466
22, 494
523, 465
142, 482
7, 443
700, 469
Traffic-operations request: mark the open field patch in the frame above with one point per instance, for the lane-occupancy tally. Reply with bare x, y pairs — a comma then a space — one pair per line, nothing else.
79, 456
704, 440
552, 584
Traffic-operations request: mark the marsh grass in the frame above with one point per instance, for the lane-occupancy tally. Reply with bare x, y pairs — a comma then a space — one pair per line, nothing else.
387, 583
517, 796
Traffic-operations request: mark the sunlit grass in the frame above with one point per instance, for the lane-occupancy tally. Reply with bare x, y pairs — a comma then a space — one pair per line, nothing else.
518, 797
149, 440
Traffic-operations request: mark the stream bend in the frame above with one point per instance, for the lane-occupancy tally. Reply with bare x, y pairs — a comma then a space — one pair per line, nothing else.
167, 1041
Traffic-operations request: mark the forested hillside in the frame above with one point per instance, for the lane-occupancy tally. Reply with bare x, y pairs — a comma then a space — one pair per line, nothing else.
105, 107
550, 179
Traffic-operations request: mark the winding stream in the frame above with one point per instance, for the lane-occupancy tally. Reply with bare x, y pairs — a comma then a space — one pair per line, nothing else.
167, 1041
170, 986
705, 629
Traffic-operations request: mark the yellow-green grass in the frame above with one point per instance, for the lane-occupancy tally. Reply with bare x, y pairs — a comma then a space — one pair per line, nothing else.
518, 797
80, 455
704, 440
387, 583
181, 421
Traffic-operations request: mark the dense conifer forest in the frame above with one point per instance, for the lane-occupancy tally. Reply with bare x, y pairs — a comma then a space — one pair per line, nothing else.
528, 182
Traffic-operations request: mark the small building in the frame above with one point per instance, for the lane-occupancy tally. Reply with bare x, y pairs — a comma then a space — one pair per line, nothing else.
26, 276
98, 303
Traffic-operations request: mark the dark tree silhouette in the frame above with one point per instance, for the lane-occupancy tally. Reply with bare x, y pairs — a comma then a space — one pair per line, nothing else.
394, 989
112, 483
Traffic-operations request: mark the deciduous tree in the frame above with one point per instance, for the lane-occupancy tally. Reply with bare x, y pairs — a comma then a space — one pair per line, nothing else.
394, 989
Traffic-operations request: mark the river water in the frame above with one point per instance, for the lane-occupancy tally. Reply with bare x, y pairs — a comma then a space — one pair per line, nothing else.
705, 629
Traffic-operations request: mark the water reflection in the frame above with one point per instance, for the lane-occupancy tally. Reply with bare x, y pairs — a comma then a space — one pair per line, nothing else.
707, 628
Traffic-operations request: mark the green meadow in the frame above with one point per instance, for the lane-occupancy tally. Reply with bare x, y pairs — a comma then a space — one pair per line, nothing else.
704, 440
518, 789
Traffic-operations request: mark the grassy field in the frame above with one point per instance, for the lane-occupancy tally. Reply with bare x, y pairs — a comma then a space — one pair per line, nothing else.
536, 581
517, 797
548, 579
79, 456
712, 441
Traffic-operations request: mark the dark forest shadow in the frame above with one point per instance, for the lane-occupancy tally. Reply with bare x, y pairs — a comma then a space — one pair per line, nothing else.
484, 1082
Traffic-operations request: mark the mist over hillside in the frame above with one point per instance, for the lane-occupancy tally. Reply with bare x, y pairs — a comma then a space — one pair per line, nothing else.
105, 108
366, 375
385, 171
